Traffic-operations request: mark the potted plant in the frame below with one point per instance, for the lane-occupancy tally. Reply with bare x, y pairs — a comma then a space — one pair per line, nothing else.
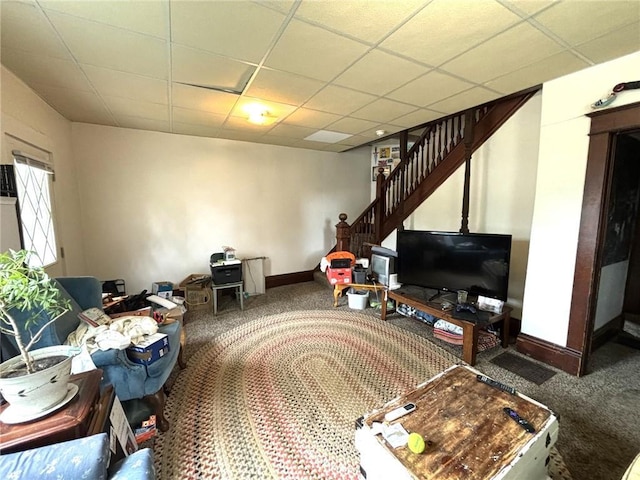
34, 381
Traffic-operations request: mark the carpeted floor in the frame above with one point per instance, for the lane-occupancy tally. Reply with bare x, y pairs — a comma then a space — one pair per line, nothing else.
599, 432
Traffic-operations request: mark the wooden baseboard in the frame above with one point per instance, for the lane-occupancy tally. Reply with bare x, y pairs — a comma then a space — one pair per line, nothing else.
288, 279
563, 358
607, 332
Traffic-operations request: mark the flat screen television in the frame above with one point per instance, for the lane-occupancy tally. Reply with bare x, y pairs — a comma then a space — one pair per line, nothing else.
452, 261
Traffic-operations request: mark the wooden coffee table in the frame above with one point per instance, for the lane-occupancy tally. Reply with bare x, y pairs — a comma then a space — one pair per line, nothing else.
86, 414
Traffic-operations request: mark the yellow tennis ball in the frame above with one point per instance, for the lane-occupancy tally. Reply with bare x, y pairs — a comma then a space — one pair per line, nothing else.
415, 443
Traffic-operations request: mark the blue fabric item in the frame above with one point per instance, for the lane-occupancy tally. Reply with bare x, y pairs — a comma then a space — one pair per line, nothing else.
81, 458
138, 466
54, 334
86, 457
87, 291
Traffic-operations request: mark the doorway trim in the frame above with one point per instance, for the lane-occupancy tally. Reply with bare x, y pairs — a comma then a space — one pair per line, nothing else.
604, 126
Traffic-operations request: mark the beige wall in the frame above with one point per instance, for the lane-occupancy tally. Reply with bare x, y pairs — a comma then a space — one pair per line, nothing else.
156, 205
27, 118
562, 161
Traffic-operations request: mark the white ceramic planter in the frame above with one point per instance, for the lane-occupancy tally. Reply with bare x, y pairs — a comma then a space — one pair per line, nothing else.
40, 391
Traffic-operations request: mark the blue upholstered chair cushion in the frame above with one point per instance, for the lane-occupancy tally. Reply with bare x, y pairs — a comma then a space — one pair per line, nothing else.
82, 458
138, 466
75, 459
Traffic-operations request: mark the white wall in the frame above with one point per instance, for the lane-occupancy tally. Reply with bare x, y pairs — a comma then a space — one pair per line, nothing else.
503, 182
156, 205
564, 144
26, 117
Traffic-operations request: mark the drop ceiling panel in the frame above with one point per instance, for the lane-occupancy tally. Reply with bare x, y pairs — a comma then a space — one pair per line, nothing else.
77, 106
51, 71
133, 108
148, 17
291, 131
539, 72
128, 85
241, 30
195, 130
379, 73
464, 100
202, 99
198, 67
104, 46
25, 28
596, 19
528, 7
305, 117
283, 87
444, 29
143, 123
383, 110
197, 117
418, 117
615, 44
313, 52
510, 51
352, 125
339, 100
368, 21
430, 88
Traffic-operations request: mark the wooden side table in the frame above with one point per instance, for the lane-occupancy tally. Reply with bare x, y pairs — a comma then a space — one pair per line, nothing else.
470, 330
85, 415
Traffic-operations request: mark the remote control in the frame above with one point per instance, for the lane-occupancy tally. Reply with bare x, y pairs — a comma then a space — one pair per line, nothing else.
399, 412
519, 420
492, 383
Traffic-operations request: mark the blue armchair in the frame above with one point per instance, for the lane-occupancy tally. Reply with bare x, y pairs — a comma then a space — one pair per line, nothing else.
130, 380
80, 458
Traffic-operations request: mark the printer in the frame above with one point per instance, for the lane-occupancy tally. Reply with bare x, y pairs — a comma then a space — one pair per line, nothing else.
224, 271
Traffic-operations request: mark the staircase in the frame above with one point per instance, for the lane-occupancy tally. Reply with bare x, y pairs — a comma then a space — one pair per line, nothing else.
441, 148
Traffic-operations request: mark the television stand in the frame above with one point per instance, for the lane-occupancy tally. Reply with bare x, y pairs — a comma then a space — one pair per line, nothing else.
470, 330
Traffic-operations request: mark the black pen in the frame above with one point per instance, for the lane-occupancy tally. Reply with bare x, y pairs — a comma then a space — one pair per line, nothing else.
519, 420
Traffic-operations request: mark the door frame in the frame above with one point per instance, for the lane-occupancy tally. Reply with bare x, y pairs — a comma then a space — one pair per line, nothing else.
605, 125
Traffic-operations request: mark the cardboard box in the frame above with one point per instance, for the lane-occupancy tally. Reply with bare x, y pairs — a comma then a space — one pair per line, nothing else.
153, 348
162, 289
197, 291
339, 275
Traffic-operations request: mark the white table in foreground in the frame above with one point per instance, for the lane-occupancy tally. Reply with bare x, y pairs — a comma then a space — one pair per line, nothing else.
467, 432
239, 293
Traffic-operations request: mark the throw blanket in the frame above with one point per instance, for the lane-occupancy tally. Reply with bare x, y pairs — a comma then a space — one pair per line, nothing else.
120, 333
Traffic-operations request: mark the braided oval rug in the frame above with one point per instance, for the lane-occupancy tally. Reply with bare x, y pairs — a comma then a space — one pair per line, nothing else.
277, 398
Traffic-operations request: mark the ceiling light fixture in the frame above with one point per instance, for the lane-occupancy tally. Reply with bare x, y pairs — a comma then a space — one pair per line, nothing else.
259, 115
380, 132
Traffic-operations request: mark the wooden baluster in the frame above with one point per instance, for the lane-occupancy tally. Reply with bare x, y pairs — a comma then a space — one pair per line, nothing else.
468, 146
380, 206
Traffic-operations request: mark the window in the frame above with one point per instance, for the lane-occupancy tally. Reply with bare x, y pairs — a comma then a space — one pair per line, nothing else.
33, 179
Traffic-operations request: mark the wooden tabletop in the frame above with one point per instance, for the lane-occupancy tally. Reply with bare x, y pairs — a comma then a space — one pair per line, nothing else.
71, 421
464, 422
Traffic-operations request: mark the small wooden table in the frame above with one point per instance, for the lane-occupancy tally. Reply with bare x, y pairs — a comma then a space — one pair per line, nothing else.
86, 414
339, 287
470, 330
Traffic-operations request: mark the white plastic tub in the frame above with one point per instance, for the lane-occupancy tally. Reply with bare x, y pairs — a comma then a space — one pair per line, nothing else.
358, 299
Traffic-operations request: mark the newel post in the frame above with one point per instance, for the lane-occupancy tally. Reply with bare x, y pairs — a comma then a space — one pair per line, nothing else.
380, 205
343, 234
468, 151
